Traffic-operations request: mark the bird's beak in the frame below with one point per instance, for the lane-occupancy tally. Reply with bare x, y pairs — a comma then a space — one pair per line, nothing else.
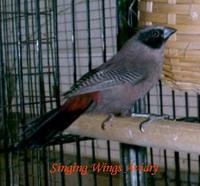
168, 31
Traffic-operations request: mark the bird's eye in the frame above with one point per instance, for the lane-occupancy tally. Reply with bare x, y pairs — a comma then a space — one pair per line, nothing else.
155, 34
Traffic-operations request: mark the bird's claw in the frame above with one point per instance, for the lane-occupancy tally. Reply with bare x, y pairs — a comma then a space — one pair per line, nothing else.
107, 121
146, 122
151, 118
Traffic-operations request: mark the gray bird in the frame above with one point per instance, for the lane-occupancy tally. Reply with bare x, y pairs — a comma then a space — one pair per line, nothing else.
111, 88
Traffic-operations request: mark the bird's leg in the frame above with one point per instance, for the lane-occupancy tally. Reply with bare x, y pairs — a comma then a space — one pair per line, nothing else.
107, 121
150, 119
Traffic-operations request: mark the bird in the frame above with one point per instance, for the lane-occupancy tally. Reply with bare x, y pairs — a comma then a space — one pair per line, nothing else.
112, 88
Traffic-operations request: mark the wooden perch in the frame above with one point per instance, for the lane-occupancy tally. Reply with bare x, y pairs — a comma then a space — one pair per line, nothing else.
179, 136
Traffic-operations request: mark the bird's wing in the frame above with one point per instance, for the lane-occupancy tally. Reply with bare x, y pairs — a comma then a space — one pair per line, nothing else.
101, 79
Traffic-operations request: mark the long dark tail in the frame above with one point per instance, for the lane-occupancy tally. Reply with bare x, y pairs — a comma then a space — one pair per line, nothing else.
42, 130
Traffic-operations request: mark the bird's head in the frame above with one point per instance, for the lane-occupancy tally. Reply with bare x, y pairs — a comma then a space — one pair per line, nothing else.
155, 36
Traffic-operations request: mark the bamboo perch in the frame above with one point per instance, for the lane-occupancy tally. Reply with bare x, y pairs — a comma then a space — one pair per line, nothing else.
179, 136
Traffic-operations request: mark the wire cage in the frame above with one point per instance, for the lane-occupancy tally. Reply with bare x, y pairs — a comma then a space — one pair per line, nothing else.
45, 47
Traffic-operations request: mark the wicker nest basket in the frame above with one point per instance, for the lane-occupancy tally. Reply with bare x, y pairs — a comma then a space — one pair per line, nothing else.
182, 53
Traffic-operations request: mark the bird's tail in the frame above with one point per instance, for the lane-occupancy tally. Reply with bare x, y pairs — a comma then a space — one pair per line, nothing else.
41, 131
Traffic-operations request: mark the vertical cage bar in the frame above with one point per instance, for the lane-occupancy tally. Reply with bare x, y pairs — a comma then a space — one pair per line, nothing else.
45, 169
28, 56
62, 162
199, 170
41, 74
94, 161
78, 159
39, 58
198, 117
198, 107
38, 155
109, 162
90, 68
176, 154
177, 168
165, 163
21, 82
7, 58
123, 162
161, 113
29, 71
104, 60
3, 107
186, 105
56, 49
74, 40
188, 155
15, 62
152, 163
173, 105
57, 74
48, 27
189, 170
161, 97
151, 149
148, 103
104, 31
89, 35
34, 57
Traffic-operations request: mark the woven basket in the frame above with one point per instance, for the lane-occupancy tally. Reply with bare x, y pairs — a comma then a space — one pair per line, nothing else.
182, 53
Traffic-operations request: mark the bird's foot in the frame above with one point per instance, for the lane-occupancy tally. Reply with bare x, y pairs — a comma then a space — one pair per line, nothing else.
150, 119
107, 121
